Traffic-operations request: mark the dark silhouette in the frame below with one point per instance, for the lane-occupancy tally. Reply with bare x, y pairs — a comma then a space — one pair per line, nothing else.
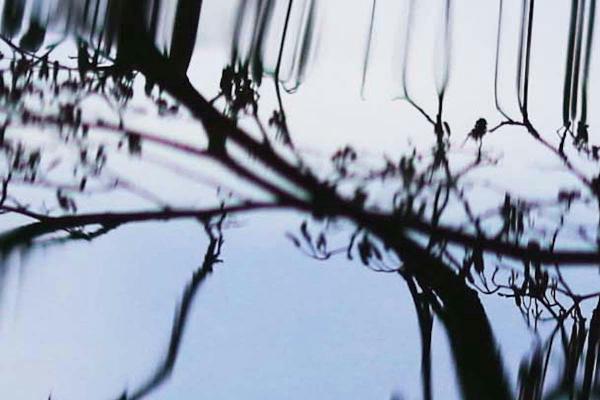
447, 266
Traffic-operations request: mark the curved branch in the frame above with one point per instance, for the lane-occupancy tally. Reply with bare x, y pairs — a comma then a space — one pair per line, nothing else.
24, 235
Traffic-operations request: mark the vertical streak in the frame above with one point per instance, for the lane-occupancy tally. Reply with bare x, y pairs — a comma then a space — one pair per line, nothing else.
153, 28
282, 44
588, 57
520, 55
368, 51
94, 20
497, 66
279, 60
591, 354
569, 64
446, 66
299, 45
425, 320
263, 20
407, 47
239, 19
307, 40
12, 17
86, 10
528, 59
411, 11
446, 50
577, 60
185, 32
255, 30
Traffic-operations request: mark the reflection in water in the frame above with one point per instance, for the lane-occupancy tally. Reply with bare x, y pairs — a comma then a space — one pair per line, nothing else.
98, 23
431, 223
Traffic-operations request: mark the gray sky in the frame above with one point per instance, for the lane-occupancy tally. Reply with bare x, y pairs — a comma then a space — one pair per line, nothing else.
87, 320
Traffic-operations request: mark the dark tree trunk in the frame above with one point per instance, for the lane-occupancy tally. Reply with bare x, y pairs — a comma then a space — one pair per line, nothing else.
185, 30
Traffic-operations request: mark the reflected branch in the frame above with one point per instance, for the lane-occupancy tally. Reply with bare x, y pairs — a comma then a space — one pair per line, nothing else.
165, 368
23, 236
447, 255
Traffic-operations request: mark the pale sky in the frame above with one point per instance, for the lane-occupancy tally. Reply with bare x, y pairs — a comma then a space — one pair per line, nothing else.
84, 321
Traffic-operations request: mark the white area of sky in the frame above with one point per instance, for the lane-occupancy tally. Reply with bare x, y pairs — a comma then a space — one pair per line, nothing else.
84, 321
